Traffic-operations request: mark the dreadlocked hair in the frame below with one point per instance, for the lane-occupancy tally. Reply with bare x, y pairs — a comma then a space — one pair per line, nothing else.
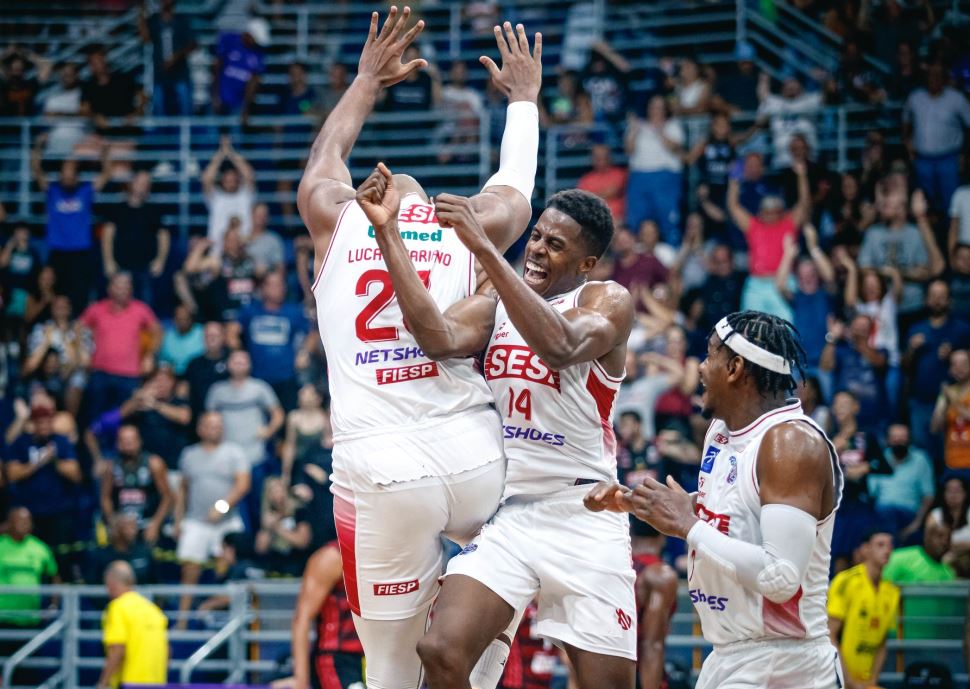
775, 335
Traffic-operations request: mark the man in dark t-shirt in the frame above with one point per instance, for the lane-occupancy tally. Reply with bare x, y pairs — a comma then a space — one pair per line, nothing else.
135, 240
107, 94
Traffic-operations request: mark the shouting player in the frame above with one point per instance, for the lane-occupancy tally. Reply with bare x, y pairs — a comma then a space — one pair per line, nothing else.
555, 350
417, 443
760, 537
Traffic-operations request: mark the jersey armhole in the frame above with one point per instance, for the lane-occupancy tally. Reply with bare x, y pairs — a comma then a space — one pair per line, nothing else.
333, 240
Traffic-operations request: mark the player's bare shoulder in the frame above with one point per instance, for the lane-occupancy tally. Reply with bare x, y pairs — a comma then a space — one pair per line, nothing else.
611, 300
794, 457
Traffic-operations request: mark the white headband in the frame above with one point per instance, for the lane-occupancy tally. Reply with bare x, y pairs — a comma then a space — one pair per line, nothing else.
749, 350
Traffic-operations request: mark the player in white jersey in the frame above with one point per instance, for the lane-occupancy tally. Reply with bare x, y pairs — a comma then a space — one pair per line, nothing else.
417, 443
555, 347
759, 530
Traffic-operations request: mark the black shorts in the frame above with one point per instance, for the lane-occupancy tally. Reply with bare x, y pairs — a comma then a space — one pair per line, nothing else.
338, 670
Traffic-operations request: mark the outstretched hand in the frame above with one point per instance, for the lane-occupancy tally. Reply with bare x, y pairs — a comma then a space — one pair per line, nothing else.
379, 198
381, 57
520, 77
608, 497
456, 212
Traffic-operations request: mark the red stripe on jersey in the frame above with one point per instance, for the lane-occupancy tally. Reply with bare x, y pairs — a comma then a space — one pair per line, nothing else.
604, 397
333, 240
345, 519
785, 618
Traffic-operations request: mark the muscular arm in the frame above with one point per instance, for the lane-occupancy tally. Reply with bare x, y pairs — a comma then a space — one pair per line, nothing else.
322, 573
657, 588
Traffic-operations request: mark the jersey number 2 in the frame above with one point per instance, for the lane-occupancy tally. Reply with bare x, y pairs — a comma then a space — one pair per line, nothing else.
365, 333
521, 402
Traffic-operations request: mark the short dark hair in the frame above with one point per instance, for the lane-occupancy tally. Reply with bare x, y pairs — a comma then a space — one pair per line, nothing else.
777, 336
634, 414
591, 213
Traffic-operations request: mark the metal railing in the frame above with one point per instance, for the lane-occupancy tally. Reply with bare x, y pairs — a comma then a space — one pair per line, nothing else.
255, 630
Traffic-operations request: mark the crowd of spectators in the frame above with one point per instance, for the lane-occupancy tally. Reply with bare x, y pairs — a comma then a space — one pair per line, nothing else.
168, 394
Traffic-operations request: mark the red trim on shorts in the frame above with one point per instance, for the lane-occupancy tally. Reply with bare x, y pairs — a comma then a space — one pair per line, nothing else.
345, 519
333, 239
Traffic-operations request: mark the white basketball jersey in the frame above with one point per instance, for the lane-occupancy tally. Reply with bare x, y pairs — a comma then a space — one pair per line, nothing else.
728, 499
380, 380
558, 425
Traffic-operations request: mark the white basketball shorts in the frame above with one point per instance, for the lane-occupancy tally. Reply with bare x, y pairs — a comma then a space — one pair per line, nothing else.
773, 664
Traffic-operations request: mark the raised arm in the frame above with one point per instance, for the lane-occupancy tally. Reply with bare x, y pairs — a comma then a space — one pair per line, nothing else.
466, 326
212, 169
936, 264
600, 323
322, 573
851, 293
821, 261
242, 166
739, 215
803, 207
326, 183
783, 273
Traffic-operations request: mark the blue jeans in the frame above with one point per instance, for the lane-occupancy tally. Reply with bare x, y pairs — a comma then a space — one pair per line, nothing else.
655, 196
172, 98
107, 391
939, 177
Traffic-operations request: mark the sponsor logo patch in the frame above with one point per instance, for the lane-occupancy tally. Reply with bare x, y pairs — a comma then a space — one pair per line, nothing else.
401, 374
470, 548
715, 603
721, 522
512, 361
720, 439
709, 457
733, 473
623, 619
397, 588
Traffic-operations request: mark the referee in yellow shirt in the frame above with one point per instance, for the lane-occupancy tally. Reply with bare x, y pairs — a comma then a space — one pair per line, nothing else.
135, 634
862, 609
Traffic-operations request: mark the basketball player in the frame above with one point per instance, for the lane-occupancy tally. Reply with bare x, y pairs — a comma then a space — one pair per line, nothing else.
337, 658
417, 443
759, 535
555, 350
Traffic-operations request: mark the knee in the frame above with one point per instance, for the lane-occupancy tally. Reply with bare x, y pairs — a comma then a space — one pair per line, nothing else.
439, 656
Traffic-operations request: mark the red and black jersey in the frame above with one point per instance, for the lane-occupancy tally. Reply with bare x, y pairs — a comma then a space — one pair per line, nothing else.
532, 659
335, 624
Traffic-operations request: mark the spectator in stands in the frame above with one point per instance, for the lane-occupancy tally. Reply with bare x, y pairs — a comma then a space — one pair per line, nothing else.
182, 341
813, 403
19, 265
18, 92
234, 195
860, 456
721, 291
875, 293
606, 80
792, 112
275, 333
634, 268
692, 92
337, 83
800, 153
136, 483
810, 297
61, 106
854, 80
216, 286
567, 104
910, 248
951, 415
862, 609
655, 147
42, 471
952, 508
933, 122
457, 93
904, 497
215, 479
606, 180
161, 414
237, 69
264, 246
249, 409
737, 91
636, 458
927, 355
765, 233
123, 544
208, 368
907, 73
652, 245
297, 97
136, 240
714, 155
309, 436
126, 336
108, 94
172, 41
69, 208
859, 367
134, 632
959, 281
959, 218
73, 351
284, 530
851, 214
923, 564
25, 560
419, 92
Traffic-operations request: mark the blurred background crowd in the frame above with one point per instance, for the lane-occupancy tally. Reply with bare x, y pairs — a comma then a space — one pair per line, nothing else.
152, 368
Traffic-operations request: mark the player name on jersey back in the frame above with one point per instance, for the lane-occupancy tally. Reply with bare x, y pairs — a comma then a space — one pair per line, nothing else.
379, 377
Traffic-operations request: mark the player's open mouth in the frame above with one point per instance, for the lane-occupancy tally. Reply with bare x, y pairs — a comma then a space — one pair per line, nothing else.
534, 274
